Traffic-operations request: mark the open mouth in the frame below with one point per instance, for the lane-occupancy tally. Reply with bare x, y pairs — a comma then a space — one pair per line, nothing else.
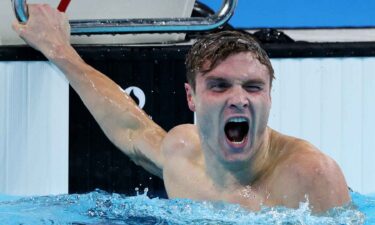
236, 129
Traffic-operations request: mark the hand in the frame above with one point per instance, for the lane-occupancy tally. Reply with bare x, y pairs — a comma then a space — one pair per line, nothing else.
46, 30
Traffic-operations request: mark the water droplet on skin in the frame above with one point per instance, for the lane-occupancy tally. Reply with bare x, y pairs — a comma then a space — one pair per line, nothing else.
247, 192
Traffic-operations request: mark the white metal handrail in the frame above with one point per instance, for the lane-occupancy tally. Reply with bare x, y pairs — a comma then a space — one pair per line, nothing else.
154, 25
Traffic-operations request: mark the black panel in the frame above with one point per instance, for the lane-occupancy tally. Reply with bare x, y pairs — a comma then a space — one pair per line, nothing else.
313, 50
96, 163
275, 50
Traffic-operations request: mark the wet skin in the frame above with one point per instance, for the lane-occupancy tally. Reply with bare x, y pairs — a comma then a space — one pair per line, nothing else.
268, 168
238, 87
200, 161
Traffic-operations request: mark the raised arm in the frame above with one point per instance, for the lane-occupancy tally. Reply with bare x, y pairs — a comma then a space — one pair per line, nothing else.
126, 125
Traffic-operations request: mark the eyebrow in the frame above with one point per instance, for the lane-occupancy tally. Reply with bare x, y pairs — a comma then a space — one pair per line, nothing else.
217, 79
255, 81
221, 79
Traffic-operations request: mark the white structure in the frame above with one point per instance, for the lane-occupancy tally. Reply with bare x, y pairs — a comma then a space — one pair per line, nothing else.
113, 9
34, 119
330, 102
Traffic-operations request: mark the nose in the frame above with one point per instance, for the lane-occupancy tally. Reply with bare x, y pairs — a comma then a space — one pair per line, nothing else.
238, 98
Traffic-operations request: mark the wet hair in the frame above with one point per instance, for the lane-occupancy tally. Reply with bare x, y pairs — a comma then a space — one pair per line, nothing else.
212, 49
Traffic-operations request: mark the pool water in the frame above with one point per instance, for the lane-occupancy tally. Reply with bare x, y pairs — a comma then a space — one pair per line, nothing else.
99, 207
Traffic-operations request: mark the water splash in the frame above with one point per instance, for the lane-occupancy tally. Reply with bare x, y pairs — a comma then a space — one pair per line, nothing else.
100, 207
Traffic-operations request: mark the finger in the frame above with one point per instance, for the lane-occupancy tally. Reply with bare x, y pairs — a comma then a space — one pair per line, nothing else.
32, 8
18, 27
35, 9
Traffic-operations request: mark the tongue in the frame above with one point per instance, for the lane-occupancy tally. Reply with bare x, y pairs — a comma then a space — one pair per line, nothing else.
234, 134
236, 131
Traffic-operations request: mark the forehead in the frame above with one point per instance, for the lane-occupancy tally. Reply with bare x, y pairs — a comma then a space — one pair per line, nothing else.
243, 65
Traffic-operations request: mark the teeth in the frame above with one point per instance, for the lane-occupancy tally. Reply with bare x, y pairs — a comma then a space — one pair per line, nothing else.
237, 143
237, 119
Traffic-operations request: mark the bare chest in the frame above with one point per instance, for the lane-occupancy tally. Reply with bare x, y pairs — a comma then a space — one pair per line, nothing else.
193, 183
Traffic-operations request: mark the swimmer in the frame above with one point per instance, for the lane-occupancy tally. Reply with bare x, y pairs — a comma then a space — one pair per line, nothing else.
230, 154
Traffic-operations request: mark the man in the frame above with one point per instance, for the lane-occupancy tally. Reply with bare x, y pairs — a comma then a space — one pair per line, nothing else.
231, 154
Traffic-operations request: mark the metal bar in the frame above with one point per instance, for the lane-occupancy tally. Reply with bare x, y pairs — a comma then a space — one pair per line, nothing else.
154, 25
20, 10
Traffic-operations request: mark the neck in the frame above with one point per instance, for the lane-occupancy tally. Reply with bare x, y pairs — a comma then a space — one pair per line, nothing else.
238, 174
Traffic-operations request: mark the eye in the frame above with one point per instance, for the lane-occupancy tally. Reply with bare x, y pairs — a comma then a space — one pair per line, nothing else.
253, 88
218, 86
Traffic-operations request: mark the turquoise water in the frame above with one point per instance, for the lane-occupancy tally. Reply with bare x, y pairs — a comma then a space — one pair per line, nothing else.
99, 207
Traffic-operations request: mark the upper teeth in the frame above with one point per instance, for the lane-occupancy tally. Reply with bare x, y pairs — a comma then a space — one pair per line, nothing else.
237, 120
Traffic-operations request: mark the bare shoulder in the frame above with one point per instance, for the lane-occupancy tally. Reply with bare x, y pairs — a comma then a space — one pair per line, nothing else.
181, 141
182, 154
305, 173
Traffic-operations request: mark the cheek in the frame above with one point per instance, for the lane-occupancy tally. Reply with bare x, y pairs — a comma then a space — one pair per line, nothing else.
267, 105
263, 107
204, 113
207, 103
205, 123
207, 115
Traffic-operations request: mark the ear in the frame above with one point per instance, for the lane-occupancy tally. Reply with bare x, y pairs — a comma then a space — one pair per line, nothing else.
190, 96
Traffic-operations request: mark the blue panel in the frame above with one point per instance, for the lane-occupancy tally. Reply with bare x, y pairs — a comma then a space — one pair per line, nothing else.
300, 14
